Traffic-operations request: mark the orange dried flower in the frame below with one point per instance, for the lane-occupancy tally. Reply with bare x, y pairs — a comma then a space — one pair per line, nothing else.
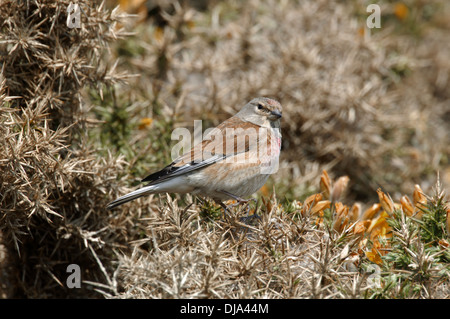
361, 31
265, 190
355, 212
131, 6
401, 11
341, 217
360, 227
419, 197
340, 208
339, 188
325, 184
379, 226
145, 122
385, 201
379, 229
375, 255
344, 223
319, 220
190, 24
159, 34
419, 200
319, 206
443, 243
310, 202
407, 206
135, 7
371, 212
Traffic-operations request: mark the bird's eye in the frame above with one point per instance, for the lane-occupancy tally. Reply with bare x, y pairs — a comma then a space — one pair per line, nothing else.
260, 106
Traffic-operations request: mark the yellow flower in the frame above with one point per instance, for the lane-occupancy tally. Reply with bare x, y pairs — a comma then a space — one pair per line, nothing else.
145, 122
379, 226
375, 254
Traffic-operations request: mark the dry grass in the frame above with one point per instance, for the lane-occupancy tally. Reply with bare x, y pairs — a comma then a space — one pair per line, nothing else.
372, 105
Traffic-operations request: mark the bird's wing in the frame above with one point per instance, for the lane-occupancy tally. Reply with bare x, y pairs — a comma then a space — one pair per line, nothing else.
230, 138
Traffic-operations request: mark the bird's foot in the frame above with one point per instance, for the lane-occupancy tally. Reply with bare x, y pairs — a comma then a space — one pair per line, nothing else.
239, 201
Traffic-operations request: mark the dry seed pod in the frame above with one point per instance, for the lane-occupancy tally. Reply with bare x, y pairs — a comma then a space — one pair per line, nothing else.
360, 227
407, 206
371, 212
337, 223
419, 197
341, 217
345, 252
311, 201
323, 204
339, 188
419, 200
340, 209
325, 184
385, 201
344, 224
355, 212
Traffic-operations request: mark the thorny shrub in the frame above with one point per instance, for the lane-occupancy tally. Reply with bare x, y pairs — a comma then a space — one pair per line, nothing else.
369, 106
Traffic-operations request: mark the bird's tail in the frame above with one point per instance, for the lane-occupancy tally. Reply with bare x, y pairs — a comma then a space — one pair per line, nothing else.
133, 195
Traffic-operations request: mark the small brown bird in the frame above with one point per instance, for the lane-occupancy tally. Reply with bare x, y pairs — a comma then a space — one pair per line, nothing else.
233, 161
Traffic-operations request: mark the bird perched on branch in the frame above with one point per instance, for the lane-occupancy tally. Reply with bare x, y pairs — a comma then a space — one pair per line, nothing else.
233, 161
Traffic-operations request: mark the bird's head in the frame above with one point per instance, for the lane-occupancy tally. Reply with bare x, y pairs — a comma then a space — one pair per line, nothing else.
262, 111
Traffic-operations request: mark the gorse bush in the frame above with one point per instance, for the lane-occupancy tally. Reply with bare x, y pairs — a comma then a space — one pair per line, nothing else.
52, 185
417, 262
312, 249
86, 112
46, 63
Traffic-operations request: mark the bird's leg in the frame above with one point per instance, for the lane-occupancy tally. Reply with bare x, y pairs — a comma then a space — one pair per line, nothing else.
237, 198
225, 207
200, 200
240, 201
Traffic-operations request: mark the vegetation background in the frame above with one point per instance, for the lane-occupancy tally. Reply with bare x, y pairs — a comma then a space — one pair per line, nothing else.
358, 208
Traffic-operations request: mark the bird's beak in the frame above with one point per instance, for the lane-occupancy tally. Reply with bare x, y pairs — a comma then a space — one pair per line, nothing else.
275, 115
